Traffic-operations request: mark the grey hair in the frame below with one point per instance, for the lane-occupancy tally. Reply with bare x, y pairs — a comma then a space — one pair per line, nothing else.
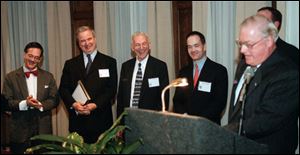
266, 27
140, 34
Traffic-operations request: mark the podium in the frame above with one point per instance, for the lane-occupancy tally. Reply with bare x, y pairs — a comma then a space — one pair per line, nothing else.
170, 133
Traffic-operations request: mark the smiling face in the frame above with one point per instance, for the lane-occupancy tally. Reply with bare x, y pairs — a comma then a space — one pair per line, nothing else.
86, 41
196, 48
140, 46
32, 58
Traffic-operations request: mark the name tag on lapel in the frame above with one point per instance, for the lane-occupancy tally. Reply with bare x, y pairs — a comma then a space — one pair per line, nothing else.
204, 86
46, 86
103, 73
153, 82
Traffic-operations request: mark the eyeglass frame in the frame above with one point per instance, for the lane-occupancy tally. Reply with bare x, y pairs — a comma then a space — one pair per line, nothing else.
247, 45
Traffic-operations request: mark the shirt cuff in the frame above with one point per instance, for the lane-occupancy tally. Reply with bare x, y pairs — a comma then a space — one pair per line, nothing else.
23, 105
41, 108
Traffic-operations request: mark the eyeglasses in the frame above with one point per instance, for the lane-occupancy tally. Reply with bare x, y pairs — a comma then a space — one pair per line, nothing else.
36, 58
247, 45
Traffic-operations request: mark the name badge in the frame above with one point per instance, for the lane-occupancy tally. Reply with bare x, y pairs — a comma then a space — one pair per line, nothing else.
204, 86
103, 73
153, 82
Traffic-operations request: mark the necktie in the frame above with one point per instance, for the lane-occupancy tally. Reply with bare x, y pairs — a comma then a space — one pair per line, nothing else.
137, 87
88, 66
196, 75
35, 73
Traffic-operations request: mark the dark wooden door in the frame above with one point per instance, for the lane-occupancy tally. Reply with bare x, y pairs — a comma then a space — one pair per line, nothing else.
182, 25
82, 13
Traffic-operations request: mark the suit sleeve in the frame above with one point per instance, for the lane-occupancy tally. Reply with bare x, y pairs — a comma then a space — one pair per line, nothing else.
9, 91
164, 76
278, 103
51, 100
120, 102
66, 86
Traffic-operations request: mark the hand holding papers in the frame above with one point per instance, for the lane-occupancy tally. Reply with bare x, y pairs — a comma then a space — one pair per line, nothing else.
80, 94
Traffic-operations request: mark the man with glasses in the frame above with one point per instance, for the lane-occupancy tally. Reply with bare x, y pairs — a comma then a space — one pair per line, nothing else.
31, 93
271, 105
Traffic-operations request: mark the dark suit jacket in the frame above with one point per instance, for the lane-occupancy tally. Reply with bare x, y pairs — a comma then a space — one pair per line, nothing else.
289, 51
150, 98
206, 104
102, 91
25, 124
271, 106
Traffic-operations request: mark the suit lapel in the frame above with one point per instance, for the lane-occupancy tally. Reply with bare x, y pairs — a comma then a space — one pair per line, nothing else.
254, 82
148, 71
40, 84
81, 67
22, 82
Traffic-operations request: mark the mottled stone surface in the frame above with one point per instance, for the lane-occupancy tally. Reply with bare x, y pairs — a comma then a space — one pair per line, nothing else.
174, 133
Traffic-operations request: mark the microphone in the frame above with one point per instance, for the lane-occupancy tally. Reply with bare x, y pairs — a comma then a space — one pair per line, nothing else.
249, 73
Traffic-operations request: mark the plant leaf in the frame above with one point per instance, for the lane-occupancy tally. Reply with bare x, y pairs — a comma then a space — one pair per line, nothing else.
132, 147
49, 147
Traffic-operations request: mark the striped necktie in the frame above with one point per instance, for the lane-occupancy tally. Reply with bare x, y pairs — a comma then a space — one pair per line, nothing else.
137, 87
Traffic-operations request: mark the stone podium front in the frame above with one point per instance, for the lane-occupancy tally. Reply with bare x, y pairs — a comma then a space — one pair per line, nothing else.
164, 132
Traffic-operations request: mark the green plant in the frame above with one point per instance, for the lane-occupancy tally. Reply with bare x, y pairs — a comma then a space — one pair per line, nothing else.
108, 142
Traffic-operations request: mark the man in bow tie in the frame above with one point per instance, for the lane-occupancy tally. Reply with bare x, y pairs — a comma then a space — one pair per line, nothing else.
31, 93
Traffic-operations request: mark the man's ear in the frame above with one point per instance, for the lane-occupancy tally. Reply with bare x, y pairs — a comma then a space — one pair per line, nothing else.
276, 23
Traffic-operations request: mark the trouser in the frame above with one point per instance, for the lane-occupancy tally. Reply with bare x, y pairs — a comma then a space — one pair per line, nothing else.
19, 148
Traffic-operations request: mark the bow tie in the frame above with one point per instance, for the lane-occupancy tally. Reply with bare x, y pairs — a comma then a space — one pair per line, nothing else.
35, 73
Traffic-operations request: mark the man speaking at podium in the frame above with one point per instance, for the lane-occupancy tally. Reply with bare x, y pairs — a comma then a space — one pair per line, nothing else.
269, 112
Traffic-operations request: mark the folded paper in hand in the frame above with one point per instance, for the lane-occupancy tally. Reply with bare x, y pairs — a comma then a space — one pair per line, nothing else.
80, 94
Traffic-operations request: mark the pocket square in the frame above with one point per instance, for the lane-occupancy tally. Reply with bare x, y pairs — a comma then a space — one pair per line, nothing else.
46, 86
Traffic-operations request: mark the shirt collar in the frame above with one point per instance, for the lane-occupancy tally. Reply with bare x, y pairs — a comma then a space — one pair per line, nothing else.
200, 62
93, 55
143, 62
25, 69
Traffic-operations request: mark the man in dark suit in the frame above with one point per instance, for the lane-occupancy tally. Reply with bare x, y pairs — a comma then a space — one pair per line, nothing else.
271, 106
31, 93
206, 94
287, 50
142, 91
98, 73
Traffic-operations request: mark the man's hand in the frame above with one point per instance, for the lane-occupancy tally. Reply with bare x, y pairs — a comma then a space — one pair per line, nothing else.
32, 102
81, 109
90, 106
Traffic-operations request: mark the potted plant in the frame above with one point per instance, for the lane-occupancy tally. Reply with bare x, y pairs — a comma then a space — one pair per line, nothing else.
108, 142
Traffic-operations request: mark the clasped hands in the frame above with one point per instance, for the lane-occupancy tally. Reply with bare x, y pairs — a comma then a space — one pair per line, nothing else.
32, 102
84, 109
